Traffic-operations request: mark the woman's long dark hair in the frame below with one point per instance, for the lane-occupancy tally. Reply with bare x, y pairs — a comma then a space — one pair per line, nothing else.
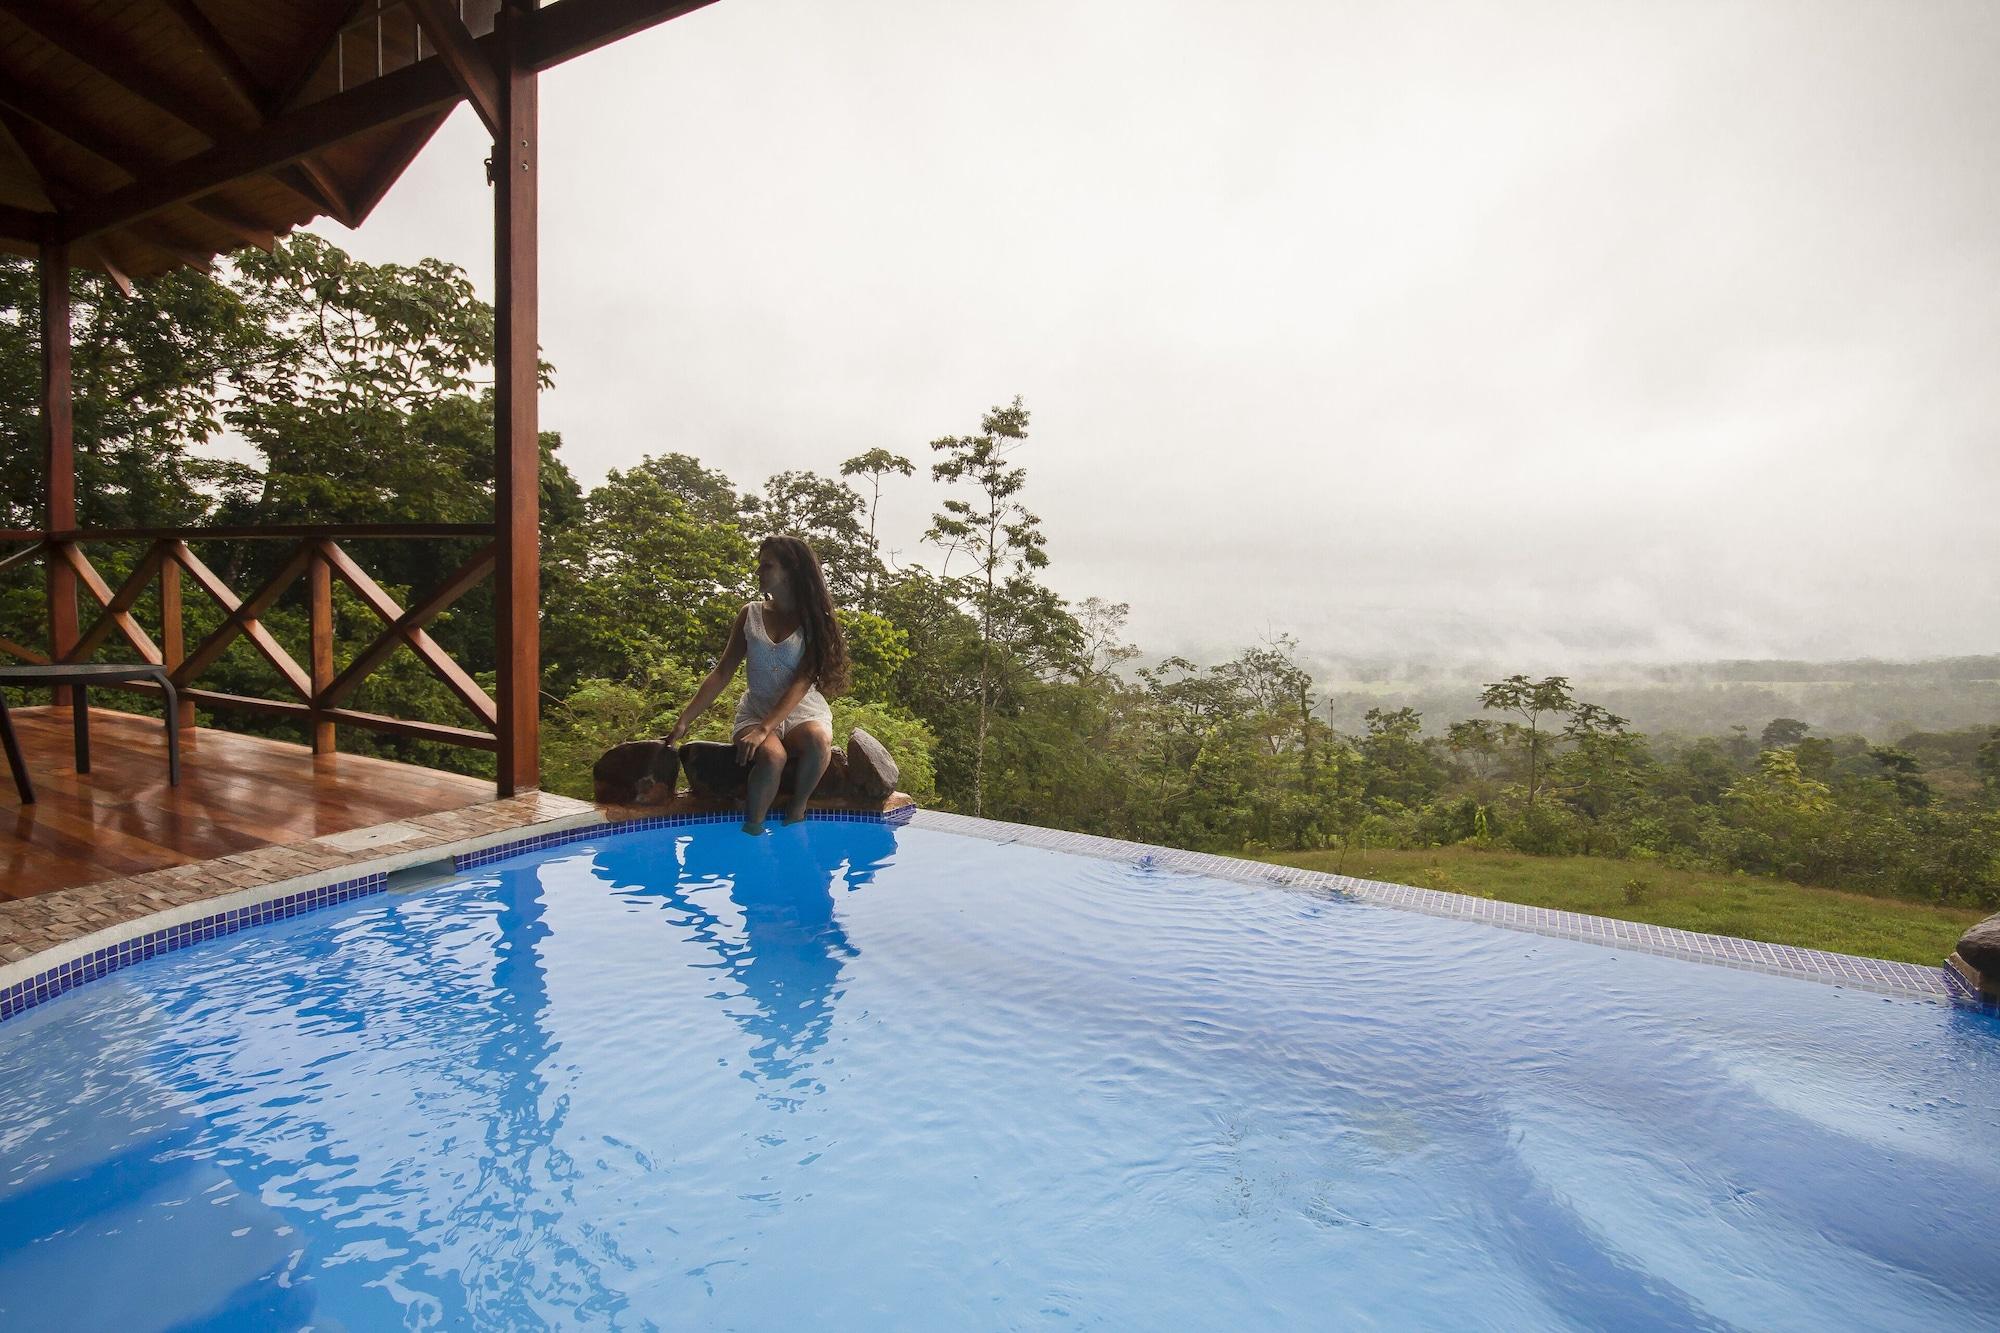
826, 648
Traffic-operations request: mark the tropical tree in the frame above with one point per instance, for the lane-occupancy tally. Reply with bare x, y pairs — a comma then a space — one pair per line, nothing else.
1001, 537
827, 514
1531, 701
148, 377
1400, 769
1781, 733
875, 465
1988, 764
653, 572
1474, 742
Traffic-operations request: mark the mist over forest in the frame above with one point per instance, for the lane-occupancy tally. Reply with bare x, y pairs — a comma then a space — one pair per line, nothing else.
1882, 701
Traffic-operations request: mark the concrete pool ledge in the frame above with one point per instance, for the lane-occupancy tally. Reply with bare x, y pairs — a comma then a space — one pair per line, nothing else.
54, 942
1904, 980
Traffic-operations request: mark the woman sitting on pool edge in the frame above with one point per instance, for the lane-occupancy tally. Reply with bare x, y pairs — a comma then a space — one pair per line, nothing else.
794, 650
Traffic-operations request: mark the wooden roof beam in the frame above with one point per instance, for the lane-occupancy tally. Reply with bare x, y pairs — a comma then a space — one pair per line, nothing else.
87, 47
391, 100
114, 268
52, 116
334, 20
456, 48
60, 193
306, 179
162, 235
222, 57
10, 139
570, 28
317, 184
409, 143
244, 230
23, 225
37, 181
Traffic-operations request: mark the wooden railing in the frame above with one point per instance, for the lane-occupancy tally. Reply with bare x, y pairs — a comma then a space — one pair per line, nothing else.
318, 691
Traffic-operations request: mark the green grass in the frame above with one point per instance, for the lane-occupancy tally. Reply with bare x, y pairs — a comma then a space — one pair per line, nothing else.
1755, 909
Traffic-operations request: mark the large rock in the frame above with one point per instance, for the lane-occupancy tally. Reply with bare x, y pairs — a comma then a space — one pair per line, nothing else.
635, 772
834, 781
871, 773
1980, 947
713, 771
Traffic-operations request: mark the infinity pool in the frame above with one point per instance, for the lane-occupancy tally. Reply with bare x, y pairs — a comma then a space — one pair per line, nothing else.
850, 1076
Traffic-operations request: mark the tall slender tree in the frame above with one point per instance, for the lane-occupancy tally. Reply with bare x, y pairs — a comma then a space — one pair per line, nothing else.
875, 465
1002, 538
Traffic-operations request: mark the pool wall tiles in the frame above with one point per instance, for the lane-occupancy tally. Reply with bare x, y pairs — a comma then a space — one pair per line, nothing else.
1909, 980
45, 986
562, 837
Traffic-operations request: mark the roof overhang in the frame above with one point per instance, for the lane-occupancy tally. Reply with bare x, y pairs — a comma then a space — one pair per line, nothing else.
150, 134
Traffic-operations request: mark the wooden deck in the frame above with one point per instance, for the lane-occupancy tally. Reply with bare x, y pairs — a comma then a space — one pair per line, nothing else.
237, 793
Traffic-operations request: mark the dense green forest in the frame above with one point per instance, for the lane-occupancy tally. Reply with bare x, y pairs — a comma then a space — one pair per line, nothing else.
1883, 701
353, 390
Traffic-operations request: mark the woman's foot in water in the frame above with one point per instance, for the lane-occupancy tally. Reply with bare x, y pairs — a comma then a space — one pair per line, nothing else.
794, 817
754, 829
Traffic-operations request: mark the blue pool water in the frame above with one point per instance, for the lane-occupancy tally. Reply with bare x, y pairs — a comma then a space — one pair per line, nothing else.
850, 1076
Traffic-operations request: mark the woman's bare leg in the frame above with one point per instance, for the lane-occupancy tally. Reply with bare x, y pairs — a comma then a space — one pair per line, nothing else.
765, 770
812, 746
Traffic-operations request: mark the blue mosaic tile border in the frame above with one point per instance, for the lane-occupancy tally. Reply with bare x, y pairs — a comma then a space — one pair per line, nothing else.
45, 986
1910, 980
615, 828
42, 987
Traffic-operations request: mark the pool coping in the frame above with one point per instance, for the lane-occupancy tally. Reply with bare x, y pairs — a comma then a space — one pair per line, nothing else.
1880, 975
42, 976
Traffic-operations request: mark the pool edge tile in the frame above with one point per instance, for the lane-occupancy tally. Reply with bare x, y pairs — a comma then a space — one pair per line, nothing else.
1850, 971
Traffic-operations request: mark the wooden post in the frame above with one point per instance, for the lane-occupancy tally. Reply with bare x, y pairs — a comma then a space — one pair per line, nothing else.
319, 576
58, 449
173, 632
517, 452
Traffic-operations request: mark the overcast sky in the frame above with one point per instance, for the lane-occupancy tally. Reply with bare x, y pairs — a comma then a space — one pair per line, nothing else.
1558, 331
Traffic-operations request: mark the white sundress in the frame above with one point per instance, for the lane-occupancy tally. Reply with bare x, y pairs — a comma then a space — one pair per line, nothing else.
769, 669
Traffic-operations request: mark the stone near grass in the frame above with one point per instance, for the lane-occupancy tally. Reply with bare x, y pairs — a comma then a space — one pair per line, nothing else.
871, 773
1977, 958
637, 771
713, 771
1980, 946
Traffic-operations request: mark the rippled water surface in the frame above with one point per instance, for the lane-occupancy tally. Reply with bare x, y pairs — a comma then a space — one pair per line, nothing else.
853, 1077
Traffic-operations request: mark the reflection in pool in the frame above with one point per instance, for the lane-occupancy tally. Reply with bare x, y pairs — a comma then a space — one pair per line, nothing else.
765, 906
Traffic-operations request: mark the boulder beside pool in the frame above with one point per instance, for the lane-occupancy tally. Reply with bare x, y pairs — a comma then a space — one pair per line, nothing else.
834, 782
871, 773
638, 778
714, 771
636, 773
1977, 958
